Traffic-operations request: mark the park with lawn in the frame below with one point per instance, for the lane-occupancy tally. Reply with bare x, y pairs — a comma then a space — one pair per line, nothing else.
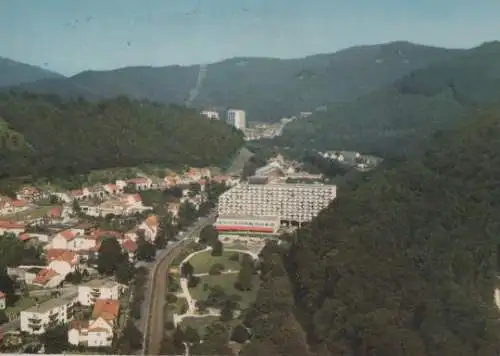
209, 290
218, 286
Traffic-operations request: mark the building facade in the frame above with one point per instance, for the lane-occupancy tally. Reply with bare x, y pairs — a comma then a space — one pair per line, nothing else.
237, 118
210, 114
36, 320
253, 225
89, 292
290, 202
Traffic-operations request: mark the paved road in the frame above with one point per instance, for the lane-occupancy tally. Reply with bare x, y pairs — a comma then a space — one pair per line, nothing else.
153, 330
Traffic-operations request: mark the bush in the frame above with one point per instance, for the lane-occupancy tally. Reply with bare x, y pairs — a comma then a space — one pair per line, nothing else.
171, 298
216, 268
193, 282
234, 257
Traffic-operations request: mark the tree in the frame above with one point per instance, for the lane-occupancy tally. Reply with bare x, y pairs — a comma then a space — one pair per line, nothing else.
193, 281
187, 214
215, 269
234, 257
74, 277
208, 235
217, 248
226, 313
244, 281
76, 207
178, 338
240, 334
145, 250
55, 339
187, 269
133, 335
110, 256
191, 336
171, 298
3, 317
124, 272
161, 238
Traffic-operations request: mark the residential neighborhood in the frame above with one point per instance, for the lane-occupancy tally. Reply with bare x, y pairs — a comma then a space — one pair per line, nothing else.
78, 250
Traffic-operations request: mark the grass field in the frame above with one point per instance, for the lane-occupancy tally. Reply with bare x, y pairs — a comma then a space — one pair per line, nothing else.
204, 260
199, 324
226, 282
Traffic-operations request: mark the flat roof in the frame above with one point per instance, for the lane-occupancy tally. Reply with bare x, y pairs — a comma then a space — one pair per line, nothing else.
51, 304
97, 283
249, 217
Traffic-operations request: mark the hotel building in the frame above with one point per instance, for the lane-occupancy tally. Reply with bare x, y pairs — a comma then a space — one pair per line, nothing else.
262, 208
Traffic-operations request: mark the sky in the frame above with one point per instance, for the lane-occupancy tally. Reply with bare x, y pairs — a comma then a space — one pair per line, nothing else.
69, 36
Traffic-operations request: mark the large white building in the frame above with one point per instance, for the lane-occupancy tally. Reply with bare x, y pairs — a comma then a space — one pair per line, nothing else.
290, 202
95, 289
237, 118
37, 319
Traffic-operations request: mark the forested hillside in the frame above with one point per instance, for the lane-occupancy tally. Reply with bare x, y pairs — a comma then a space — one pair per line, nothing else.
403, 263
266, 88
66, 137
15, 73
389, 119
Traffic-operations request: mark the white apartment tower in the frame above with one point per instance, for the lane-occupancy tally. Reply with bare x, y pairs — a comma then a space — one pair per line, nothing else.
291, 202
237, 119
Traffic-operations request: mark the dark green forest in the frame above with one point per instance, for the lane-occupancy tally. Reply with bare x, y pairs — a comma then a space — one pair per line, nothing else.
64, 137
403, 262
393, 119
266, 88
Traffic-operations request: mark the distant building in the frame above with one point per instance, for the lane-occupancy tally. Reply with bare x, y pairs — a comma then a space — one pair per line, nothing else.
210, 114
237, 118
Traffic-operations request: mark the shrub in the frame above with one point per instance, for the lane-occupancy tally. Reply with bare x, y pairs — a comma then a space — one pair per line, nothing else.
171, 298
216, 268
193, 281
234, 257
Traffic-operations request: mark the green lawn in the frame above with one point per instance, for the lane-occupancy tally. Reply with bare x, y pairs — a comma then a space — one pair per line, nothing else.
203, 260
226, 281
199, 324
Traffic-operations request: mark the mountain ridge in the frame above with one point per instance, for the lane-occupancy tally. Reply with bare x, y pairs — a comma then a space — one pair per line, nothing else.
15, 73
267, 88
414, 106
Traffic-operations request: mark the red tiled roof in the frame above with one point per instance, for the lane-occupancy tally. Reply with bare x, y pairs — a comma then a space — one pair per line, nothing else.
58, 254
55, 212
4, 224
107, 309
24, 237
97, 234
45, 275
130, 246
152, 221
78, 324
18, 203
140, 180
76, 192
68, 235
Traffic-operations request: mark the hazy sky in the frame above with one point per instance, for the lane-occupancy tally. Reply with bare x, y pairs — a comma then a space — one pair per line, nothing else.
69, 36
